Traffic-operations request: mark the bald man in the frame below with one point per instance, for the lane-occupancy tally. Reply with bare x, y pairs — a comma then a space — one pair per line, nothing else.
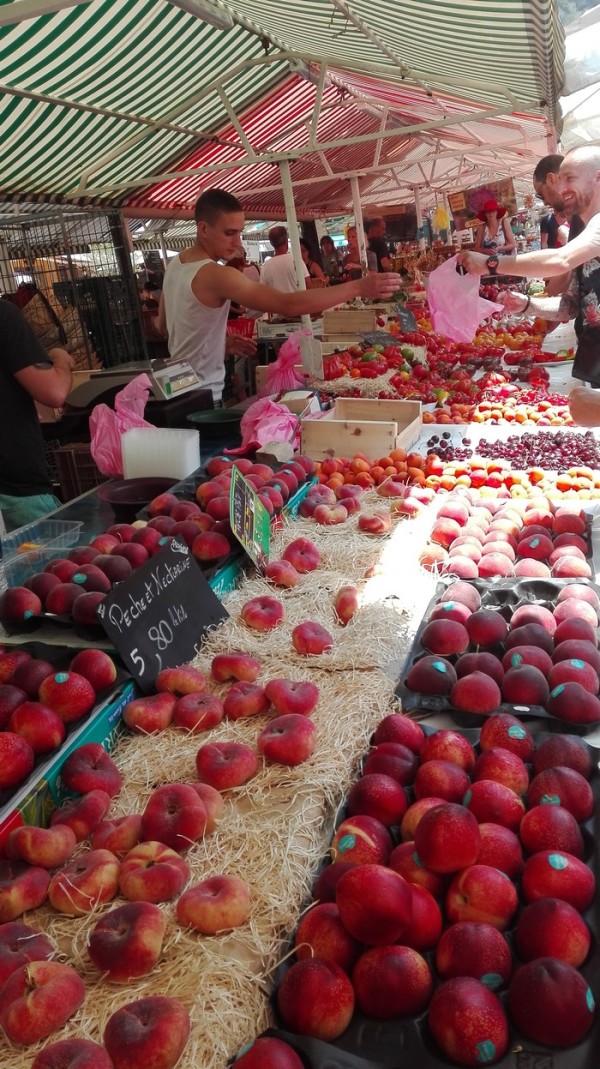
578, 184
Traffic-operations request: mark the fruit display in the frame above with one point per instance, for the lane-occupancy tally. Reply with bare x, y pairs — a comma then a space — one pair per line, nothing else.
45, 691
520, 537
453, 916
530, 646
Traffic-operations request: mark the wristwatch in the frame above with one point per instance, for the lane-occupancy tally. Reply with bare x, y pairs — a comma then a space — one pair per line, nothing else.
492, 263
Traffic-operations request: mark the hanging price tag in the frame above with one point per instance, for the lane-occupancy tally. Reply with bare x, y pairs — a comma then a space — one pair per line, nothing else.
406, 319
249, 519
156, 618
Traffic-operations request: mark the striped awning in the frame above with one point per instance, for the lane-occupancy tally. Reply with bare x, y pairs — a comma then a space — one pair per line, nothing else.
139, 102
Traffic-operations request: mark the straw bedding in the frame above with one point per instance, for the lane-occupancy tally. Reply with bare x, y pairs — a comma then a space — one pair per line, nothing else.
275, 830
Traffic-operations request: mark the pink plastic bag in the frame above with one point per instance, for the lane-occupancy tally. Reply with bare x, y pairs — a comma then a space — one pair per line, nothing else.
455, 306
106, 426
282, 375
266, 421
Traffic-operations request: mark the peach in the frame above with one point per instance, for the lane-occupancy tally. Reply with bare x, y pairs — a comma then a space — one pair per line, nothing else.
22, 887
316, 998
535, 547
89, 767
152, 872
379, 796
578, 648
426, 920
574, 627
127, 942
445, 637
461, 566
518, 656
151, 1031
552, 928
215, 905
20, 944
90, 577
482, 893
533, 614
476, 693
198, 712
396, 727
484, 662
477, 949
413, 815
345, 605
117, 568
431, 674
580, 592
500, 847
405, 860
432, 557
375, 904
571, 567
551, 1003
150, 714
10, 699
85, 883
103, 543
573, 703
567, 750
321, 934
551, 827
39, 998
303, 554
558, 874
391, 982
69, 694
82, 554
392, 759
29, 674
84, 610
212, 545
447, 838
311, 639
282, 573
287, 696
486, 628
119, 835
245, 699
492, 802
83, 814
288, 740
175, 816
495, 564
361, 839
330, 515
269, 1051
46, 847
72, 1054
574, 670
505, 730
448, 745
18, 604
96, 666
326, 882
441, 778
17, 759
565, 787
235, 665
224, 765
262, 613
466, 1018
181, 680
317, 495
374, 523
445, 530
212, 801
465, 593
503, 766
451, 610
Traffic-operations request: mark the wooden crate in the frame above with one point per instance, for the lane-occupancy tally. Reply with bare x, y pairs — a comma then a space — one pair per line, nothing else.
362, 425
349, 321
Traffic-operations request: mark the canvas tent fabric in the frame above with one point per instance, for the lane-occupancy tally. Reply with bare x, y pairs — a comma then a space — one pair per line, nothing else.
580, 103
117, 101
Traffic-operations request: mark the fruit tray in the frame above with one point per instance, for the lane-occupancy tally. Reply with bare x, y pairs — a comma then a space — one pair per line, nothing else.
34, 800
398, 1042
60, 657
505, 596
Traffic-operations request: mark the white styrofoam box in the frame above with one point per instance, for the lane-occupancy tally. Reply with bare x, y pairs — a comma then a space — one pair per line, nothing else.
160, 451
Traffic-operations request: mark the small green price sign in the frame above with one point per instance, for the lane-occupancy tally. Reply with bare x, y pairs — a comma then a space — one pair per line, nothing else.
249, 519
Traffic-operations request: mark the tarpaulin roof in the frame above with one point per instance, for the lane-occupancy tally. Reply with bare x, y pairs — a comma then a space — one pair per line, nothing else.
141, 102
581, 103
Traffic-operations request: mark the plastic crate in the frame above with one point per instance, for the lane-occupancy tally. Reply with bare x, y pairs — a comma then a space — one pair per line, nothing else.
76, 471
55, 534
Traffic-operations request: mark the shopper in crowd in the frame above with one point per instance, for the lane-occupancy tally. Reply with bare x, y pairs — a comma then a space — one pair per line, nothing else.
376, 245
578, 184
545, 183
316, 275
279, 272
330, 258
549, 231
28, 373
351, 265
198, 289
494, 234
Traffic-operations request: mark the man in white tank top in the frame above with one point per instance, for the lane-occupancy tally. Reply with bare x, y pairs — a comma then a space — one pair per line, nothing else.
197, 291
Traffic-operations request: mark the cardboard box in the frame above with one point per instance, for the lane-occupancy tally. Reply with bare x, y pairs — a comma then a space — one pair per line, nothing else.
362, 425
44, 791
350, 321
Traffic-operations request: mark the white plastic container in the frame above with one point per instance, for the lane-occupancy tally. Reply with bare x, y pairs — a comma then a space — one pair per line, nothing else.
160, 451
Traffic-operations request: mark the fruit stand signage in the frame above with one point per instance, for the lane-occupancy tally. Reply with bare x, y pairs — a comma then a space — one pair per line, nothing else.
249, 519
156, 618
406, 319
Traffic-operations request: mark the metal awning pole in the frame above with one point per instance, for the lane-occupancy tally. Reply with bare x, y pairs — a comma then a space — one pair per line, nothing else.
163, 249
419, 211
358, 222
290, 214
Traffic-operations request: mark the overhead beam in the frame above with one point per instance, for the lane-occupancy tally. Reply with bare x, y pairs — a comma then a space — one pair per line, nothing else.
244, 161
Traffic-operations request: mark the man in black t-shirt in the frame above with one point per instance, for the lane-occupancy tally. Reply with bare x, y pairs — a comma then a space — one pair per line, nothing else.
376, 244
549, 231
27, 374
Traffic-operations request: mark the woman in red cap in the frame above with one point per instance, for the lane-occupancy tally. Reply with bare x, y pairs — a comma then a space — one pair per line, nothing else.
494, 234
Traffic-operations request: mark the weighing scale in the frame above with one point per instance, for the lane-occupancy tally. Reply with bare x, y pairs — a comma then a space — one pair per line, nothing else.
172, 380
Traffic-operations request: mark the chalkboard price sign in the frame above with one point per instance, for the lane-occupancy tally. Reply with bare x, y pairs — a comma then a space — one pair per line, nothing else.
156, 618
406, 319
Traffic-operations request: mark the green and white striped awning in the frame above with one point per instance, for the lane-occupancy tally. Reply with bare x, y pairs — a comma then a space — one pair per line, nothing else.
143, 102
